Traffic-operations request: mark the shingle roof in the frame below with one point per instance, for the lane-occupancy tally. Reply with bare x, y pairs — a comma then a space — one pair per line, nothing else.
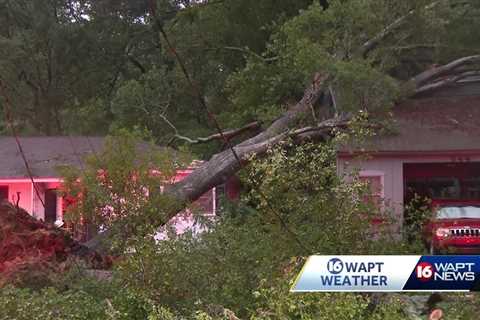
44, 154
447, 121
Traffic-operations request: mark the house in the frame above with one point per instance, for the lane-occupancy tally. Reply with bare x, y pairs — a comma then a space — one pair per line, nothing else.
433, 150
44, 155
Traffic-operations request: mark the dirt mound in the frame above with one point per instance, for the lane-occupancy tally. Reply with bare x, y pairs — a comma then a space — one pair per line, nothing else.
29, 245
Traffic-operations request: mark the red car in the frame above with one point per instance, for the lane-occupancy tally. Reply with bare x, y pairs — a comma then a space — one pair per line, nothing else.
454, 227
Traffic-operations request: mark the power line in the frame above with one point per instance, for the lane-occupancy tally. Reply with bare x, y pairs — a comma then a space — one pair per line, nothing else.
8, 118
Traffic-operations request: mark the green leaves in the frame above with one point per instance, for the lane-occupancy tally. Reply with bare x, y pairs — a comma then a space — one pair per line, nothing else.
120, 187
49, 304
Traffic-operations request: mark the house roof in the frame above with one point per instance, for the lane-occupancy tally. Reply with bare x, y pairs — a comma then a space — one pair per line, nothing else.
44, 154
446, 121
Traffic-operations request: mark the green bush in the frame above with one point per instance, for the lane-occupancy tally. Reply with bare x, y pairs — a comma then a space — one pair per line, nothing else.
49, 303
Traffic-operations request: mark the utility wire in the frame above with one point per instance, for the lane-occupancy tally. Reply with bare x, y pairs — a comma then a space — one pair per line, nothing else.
8, 118
212, 117
191, 83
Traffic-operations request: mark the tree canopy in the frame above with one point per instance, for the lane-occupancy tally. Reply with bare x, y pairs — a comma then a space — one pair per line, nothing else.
106, 64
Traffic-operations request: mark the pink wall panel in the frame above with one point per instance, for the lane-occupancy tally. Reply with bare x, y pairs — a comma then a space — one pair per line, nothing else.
22, 189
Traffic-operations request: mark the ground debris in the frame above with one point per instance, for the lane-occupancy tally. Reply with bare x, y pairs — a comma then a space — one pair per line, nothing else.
28, 245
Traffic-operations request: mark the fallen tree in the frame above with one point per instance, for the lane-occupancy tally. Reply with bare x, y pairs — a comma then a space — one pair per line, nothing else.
300, 123
225, 164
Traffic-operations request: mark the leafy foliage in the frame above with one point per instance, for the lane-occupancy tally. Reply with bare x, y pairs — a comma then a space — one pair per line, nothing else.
254, 249
120, 187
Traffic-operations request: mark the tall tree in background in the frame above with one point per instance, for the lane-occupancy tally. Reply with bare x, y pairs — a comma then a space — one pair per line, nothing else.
64, 59
103, 63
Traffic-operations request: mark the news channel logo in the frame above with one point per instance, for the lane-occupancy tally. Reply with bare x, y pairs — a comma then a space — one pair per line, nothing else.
389, 273
335, 265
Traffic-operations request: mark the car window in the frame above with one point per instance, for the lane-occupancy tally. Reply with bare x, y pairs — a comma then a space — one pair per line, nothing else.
457, 212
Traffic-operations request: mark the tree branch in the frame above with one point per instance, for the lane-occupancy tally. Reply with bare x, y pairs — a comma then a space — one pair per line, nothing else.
378, 38
445, 82
136, 63
436, 72
228, 134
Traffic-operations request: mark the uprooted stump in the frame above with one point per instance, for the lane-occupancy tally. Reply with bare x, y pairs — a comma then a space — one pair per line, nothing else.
29, 246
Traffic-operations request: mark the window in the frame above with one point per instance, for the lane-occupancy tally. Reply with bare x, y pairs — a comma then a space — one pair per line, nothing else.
439, 187
206, 203
3, 193
471, 188
444, 188
375, 184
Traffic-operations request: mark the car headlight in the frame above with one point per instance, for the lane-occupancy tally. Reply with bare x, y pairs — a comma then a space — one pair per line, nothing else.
442, 233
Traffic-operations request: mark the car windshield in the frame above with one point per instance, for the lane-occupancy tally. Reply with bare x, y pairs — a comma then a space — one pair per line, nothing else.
458, 212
